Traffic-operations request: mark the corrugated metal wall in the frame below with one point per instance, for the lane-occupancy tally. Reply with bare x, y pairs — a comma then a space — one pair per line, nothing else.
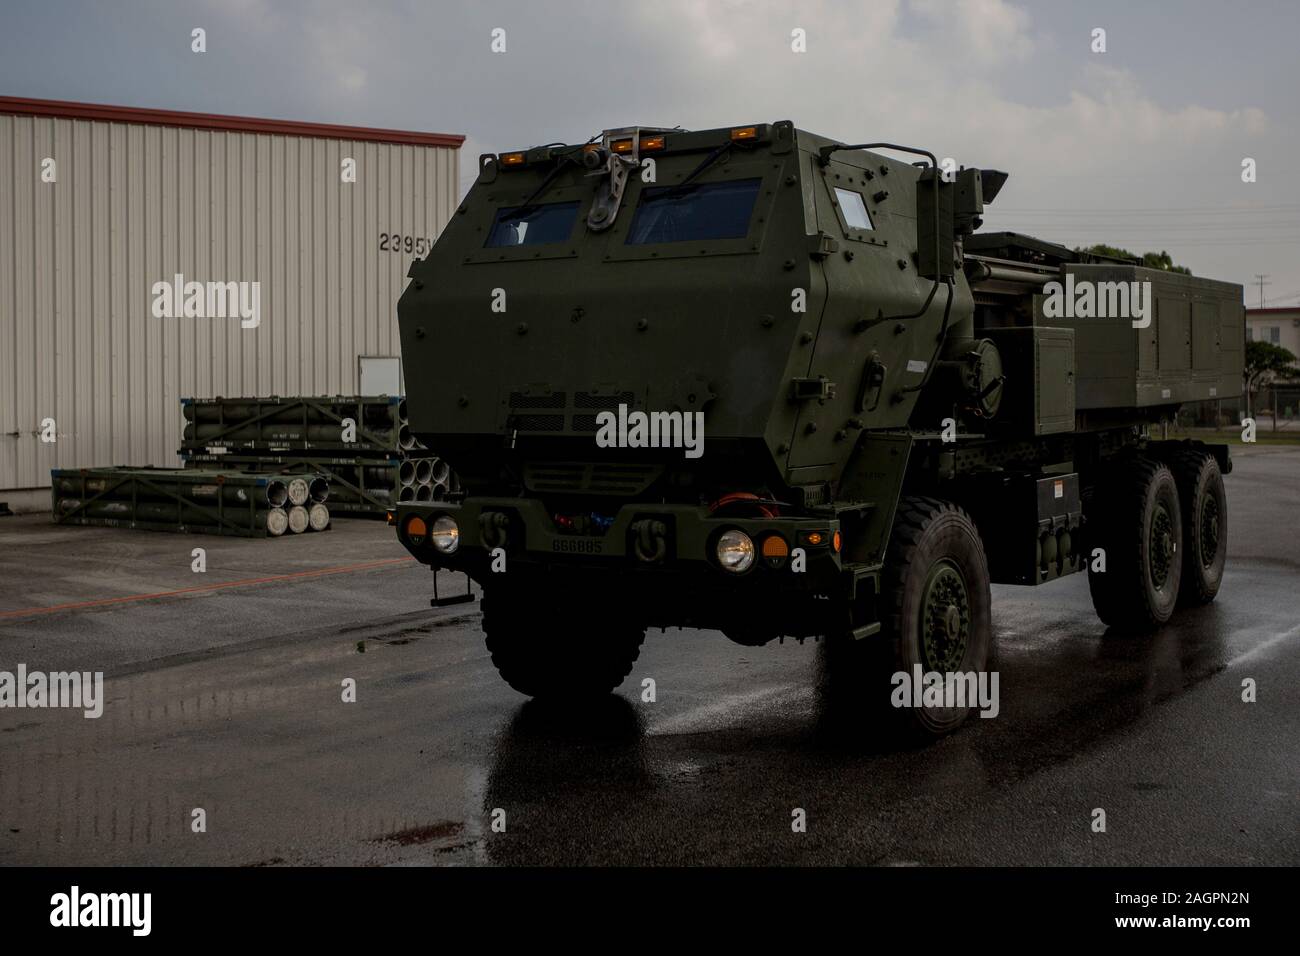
133, 205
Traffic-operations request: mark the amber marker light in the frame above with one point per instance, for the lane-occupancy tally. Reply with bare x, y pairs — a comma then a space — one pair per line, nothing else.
416, 530
775, 550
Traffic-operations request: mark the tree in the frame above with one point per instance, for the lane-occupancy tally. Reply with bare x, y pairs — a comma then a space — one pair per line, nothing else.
1264, 360
1151, 260
1162, 260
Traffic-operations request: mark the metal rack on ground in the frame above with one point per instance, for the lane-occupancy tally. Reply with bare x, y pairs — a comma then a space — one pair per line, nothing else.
191, 500
382, 464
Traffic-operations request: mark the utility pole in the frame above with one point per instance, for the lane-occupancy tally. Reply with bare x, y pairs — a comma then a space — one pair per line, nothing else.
1262, 283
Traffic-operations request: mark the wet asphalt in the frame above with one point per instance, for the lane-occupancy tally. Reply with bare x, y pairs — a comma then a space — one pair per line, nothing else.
228, 700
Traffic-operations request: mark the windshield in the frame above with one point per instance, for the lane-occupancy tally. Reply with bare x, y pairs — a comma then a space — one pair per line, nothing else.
550, 222
694, 213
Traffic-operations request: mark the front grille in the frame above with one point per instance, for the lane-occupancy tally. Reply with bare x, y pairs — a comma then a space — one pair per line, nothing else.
537, 423
554, 400
592, 400
584, 423
594, 478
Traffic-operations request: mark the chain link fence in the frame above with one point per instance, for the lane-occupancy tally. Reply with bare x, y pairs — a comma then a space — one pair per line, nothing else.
1275, 407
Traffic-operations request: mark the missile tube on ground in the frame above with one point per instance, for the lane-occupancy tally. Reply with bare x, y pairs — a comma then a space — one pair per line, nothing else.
318, 517
298, 519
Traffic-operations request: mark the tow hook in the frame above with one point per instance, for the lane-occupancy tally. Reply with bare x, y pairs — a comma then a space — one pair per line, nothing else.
494, 528
650, 540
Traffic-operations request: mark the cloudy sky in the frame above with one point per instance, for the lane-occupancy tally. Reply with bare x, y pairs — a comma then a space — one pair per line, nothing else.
1139, 146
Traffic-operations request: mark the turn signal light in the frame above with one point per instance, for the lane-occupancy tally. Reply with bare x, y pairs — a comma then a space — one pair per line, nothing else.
835, 542
416, 529
775, 551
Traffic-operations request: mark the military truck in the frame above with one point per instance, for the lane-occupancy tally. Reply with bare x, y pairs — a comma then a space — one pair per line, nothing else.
896, 409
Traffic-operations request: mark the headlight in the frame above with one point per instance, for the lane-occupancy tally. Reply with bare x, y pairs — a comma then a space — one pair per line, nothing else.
445, 534
735, 551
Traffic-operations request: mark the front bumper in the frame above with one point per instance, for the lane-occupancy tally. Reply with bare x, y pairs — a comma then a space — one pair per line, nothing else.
528, 536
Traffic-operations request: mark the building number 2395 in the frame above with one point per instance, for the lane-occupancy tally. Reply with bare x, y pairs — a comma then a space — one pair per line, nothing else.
392, 242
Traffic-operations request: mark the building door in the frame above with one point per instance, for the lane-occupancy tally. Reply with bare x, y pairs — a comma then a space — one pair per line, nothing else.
381, 375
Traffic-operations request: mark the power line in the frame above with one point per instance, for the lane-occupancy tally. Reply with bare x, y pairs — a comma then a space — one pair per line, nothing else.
1253, 219
1145, 210
1264, 230
1189, 222
1112, 237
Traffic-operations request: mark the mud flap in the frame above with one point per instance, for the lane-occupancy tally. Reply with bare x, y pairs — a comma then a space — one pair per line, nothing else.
874, 474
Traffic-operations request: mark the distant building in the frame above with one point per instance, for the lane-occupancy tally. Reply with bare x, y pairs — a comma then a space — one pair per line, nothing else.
130, 237
1276, 401
1278, 326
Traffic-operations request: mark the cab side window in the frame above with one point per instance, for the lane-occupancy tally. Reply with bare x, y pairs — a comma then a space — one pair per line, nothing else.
854, 208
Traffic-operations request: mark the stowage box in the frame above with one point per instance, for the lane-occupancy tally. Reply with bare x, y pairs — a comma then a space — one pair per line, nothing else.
1040, 386
1192, 350
1039, 518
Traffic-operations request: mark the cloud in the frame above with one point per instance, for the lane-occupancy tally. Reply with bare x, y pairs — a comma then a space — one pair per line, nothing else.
989, 31
928, 72
989, 82
351, 78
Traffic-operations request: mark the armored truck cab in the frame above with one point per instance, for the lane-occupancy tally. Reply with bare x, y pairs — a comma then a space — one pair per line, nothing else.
762, 381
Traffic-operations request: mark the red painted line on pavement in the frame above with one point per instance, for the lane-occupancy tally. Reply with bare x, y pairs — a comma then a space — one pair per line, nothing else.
27, 612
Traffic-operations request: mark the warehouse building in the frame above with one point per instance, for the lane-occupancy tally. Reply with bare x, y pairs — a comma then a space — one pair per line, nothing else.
147, 256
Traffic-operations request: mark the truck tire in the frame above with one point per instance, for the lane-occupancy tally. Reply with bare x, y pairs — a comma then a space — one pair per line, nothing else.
562, 657
935, 612
1136, 519
1205, 526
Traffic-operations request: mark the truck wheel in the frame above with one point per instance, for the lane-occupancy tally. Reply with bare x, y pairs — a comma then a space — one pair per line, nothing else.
936, 602
1135, 518
934, 613
1205, 526
557, 657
